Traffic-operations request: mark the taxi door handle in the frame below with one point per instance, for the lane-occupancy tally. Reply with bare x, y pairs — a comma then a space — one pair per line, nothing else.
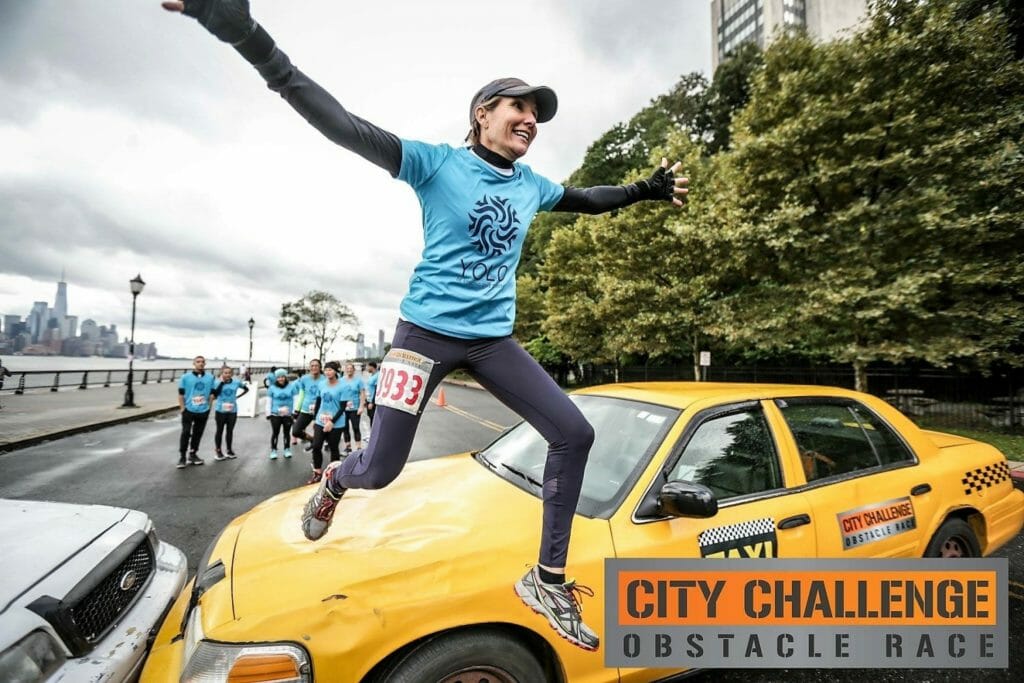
919, 489
794, 521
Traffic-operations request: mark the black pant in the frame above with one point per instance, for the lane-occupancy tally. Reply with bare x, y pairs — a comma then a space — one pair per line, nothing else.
370, 410
506, 370
299, 428
224, 420
279, 424
352, 418
333, 438
192, 426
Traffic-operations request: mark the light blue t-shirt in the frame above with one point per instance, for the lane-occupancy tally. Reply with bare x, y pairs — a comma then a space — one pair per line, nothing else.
197, 391
474, 222
279, 399
350, 392
310, 391
331, 403
227, 399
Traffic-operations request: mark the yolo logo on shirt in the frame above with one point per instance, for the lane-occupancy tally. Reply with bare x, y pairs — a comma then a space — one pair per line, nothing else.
493, 226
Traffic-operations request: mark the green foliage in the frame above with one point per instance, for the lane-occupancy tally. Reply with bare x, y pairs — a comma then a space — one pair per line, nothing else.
318, 319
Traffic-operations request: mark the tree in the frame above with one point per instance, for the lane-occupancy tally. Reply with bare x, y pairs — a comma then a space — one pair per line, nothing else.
319, 319
288, 323
877, 182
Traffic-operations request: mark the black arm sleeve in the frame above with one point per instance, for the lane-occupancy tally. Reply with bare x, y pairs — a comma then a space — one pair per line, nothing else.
216, 390
338, 414
600, 198
318, 106
181, 392
316, 406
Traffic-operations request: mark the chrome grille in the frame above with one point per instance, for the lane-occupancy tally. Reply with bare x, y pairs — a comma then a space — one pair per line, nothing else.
99, 609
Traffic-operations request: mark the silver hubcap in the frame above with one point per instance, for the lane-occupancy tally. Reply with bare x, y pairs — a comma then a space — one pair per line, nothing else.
480, 673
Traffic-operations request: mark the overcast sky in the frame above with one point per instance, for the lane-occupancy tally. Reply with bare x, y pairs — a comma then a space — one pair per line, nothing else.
133, 142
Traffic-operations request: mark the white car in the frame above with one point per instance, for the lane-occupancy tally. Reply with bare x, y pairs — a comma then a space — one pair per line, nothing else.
84, 587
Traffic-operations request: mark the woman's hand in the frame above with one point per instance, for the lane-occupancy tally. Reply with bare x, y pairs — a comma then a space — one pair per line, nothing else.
663, 184
229, 20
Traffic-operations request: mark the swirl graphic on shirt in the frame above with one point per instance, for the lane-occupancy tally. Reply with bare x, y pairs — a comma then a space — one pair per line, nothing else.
493, 226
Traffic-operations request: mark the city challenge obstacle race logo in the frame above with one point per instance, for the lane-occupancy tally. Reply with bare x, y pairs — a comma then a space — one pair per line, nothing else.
493, 227
810, 613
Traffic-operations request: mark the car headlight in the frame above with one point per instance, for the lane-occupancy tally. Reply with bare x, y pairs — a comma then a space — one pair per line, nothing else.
31, 659
209, 662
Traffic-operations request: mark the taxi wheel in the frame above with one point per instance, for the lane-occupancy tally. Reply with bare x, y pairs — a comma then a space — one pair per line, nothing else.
478, 656
955, 538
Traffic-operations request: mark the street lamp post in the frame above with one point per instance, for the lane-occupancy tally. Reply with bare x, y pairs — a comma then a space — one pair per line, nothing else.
136, 284
252, 323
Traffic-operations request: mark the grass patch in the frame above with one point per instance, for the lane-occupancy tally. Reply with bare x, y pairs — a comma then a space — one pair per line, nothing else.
1012, 445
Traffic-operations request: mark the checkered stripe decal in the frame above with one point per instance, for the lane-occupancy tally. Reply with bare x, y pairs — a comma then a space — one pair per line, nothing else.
983, 477
722, 534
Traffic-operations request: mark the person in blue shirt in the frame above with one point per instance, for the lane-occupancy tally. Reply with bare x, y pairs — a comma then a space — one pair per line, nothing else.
309, 386
227, 390
280, 406
355, 403
329, 410
195, 393
477, 204
371, 391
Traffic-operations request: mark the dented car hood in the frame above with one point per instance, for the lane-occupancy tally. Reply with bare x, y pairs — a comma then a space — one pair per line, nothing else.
436, 530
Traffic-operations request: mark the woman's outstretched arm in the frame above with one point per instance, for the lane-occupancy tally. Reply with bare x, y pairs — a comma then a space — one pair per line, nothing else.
231, 22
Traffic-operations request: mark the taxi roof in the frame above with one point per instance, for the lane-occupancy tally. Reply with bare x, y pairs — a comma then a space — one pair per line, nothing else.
683, 394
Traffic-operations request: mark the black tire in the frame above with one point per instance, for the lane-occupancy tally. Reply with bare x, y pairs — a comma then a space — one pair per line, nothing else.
483, 655
955, 538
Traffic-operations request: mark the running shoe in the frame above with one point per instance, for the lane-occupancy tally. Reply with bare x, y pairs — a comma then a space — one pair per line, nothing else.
181, 463
317, 515
560, 603
219, 455
194, 459
315, 477
273, 454
309, 447
287, 452
231, 455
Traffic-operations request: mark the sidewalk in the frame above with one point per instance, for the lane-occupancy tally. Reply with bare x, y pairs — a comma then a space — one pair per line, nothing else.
42, 416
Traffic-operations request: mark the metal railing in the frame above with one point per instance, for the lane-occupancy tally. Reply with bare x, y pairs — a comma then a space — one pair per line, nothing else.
21, 382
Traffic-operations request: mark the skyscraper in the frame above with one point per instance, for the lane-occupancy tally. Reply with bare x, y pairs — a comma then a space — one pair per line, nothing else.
37, 319
60, 303
734, 22
380, 342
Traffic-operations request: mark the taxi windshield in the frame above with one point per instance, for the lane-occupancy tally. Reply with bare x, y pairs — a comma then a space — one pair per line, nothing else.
626, 434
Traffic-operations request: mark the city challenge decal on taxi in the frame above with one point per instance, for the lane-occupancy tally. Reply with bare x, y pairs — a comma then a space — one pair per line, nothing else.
753, 538
876, 522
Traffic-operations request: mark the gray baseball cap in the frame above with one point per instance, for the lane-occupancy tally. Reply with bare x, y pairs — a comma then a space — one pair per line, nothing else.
547, 101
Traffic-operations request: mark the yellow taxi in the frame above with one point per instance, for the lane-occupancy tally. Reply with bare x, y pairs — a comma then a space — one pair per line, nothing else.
413, 583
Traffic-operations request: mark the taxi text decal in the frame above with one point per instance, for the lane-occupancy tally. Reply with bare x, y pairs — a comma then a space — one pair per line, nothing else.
876, 522
754, 538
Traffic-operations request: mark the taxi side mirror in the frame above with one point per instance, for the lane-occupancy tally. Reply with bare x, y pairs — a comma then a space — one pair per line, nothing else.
686, 499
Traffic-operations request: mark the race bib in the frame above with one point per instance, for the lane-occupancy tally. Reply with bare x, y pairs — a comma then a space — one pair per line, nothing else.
403, 380
284, 410
199, 400
227, 407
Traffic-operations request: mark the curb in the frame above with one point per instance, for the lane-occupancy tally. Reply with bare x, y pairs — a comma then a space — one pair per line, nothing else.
8, 446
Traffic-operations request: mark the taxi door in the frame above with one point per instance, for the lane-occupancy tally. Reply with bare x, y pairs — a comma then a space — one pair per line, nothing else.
731, 449
869, 498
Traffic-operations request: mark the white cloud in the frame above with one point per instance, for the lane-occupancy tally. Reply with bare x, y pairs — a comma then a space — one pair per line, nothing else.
134, 142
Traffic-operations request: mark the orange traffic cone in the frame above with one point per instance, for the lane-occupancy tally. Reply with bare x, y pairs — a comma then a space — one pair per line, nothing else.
441, 403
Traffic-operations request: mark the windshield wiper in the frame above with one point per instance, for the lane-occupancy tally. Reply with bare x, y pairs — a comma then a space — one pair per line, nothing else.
522, 474
482, 458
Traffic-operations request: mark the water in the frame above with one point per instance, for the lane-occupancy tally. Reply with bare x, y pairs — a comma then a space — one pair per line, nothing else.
65, 363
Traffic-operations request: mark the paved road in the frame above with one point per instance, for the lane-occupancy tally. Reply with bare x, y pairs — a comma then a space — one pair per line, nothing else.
132, 465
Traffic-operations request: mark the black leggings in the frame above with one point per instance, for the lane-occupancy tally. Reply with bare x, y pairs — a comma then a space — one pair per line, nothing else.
192, 426
299, 428
279, 424
352, 418
515, 378
224, 420
333, 438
